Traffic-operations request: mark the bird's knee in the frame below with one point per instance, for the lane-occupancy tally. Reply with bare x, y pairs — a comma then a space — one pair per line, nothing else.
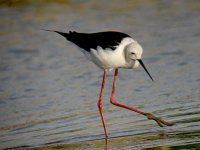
112, 100
99, 104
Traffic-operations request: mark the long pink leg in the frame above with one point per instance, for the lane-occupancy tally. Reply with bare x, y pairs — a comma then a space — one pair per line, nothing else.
100, 103
150, 116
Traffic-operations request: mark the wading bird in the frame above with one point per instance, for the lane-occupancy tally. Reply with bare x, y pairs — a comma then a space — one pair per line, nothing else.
111, 50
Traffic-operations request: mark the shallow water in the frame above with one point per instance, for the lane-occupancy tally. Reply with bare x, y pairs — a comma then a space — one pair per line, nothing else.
49, 90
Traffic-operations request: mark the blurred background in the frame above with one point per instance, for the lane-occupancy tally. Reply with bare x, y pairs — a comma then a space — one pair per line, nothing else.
49, 90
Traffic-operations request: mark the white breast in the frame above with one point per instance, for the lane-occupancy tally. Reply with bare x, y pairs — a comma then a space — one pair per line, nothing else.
108, 58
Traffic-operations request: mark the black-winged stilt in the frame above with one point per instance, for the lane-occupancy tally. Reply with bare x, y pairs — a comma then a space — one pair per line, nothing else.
111, 50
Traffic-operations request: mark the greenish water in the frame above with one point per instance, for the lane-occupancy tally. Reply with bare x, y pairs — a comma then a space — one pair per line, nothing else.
49, 90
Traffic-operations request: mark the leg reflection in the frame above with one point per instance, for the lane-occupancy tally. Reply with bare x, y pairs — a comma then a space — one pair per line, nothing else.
106, 143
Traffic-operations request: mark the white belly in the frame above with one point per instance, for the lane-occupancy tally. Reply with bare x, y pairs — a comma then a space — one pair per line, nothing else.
108, 58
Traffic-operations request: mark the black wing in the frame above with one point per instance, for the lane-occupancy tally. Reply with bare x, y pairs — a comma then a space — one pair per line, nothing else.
109, 39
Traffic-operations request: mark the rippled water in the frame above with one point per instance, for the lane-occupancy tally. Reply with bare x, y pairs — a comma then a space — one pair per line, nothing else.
49, 91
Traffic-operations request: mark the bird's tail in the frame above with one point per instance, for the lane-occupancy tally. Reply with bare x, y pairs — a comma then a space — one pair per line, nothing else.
61, 33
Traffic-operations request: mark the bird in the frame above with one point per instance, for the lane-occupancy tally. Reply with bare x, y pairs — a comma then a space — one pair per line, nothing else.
111, 50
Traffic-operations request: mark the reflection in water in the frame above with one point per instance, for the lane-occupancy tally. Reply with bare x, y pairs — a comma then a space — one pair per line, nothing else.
131, 142
106, 143
48, 89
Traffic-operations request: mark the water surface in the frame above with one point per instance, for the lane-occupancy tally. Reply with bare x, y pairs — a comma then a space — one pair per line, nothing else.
49, 90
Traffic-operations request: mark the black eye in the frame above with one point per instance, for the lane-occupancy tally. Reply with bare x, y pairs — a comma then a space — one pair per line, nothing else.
132, 53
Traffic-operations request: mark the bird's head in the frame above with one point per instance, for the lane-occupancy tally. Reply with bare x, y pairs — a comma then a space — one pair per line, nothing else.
134, 51
133, 55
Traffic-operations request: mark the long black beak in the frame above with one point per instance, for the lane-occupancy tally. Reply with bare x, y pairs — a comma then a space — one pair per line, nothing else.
142, 64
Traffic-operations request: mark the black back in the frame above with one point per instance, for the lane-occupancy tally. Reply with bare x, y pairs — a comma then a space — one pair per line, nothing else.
109, 39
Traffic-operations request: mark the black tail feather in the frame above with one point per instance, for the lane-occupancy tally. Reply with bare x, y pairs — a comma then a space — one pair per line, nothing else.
61, 33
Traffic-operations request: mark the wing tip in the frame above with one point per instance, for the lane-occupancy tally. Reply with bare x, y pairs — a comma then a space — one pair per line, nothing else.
70, 32
61, 33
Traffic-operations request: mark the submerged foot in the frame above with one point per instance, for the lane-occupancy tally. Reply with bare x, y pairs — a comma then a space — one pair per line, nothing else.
159, 121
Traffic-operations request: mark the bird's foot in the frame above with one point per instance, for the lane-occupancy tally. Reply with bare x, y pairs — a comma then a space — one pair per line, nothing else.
159, 121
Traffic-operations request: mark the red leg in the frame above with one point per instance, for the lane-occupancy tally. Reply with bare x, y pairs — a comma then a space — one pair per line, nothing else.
100, 103
150, 116
112, 98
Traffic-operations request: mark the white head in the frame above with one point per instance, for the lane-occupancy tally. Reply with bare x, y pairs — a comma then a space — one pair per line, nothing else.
133, 56
133, 51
